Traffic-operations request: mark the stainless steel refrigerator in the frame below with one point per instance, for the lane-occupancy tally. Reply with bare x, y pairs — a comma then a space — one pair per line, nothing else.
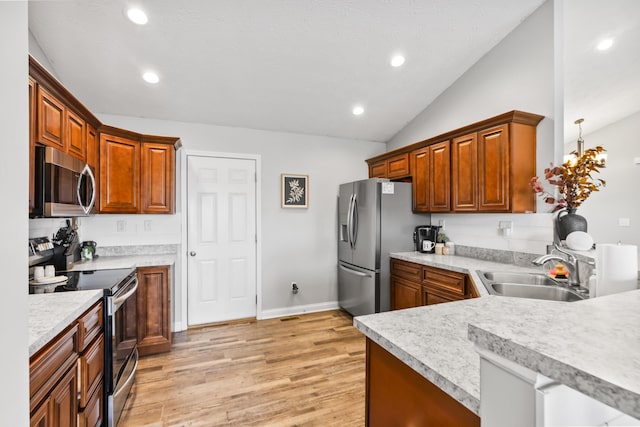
374, 218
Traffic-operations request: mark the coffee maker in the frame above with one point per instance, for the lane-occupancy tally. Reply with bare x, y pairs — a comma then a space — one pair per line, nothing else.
425, 237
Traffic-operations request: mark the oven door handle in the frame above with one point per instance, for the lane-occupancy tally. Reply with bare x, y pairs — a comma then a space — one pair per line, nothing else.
121, 299
132, 375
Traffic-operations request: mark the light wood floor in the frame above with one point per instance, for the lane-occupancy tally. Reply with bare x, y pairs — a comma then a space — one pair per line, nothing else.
306, 370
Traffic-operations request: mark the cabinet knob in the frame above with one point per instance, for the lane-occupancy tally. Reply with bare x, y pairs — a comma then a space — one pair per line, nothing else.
192, 253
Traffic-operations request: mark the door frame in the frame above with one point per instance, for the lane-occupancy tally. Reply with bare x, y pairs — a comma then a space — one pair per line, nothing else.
184, 294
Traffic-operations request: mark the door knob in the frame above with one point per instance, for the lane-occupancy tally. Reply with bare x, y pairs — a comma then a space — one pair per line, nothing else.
192, 253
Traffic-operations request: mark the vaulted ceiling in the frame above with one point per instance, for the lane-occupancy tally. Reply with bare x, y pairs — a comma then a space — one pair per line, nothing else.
285, 65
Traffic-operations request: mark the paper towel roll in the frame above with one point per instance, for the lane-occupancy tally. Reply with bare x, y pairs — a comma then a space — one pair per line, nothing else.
617, 268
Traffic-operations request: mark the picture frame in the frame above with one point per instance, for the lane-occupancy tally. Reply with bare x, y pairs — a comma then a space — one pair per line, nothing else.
294, 191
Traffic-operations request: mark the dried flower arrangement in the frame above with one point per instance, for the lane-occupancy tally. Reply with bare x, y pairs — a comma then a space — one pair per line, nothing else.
573, 179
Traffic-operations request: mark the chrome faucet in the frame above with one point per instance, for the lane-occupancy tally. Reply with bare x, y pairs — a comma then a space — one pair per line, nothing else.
571, 262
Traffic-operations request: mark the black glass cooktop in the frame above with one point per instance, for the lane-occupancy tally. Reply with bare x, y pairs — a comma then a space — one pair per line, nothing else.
96, 279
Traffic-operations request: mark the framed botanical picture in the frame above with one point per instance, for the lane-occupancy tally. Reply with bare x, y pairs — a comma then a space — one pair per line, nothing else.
295, 191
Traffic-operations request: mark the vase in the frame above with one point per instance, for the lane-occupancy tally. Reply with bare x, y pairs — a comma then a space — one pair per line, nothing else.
569, 221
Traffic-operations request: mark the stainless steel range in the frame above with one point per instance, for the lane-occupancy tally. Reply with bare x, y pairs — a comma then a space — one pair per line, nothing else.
121, 353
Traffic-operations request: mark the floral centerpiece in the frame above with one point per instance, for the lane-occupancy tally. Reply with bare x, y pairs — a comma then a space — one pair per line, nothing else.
573, 179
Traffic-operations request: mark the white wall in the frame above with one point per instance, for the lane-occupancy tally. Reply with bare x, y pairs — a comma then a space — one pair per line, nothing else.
518, 74
297, 244
14, 122
619, 198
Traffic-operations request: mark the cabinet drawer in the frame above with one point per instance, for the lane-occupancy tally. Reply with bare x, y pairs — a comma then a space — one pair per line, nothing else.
90, 325
90, 370
406, 270
398, 166
446, 280
52, 363
433, 296
91, 416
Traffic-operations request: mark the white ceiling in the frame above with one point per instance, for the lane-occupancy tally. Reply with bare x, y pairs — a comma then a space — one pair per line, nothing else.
285, 65
601, 87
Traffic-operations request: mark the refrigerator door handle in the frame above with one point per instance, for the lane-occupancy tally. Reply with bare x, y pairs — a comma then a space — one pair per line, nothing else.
354, 221
349, 221
354, 272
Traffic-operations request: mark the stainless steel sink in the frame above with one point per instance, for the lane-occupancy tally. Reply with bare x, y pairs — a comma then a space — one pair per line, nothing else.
520, 278
529, 285
553, 293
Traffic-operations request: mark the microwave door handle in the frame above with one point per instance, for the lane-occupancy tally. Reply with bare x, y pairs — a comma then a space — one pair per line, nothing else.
87, 172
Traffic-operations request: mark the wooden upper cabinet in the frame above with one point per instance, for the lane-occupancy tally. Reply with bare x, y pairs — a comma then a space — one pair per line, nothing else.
493, 169
158, 178
392, 168
430, 173
419, 160
119, 174
439, 177
378, 170
486, 167
50, 119
398, 166
464, 173
76, 135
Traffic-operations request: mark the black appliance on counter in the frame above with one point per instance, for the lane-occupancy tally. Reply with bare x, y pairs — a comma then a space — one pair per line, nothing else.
425, 238
119, 288
66, 249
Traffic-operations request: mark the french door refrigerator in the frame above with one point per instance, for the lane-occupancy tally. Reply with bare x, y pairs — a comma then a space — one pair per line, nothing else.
374, 218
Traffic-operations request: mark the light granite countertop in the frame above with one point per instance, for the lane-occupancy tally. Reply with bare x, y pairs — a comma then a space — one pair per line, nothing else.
104, 262
51, 313
590, 345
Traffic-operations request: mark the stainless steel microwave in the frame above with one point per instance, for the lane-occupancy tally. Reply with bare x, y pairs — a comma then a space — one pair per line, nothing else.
64, 186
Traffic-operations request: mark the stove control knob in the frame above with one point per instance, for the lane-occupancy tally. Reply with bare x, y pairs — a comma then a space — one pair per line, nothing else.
192, 253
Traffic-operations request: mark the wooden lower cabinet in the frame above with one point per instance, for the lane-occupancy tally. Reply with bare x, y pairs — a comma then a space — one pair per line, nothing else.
405, 294
66, 376
396, 395
153, 307
414, 285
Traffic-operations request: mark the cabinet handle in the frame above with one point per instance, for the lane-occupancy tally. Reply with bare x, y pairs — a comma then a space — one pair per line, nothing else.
192, 253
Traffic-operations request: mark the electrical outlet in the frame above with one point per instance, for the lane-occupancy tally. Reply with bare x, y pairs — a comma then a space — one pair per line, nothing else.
121, 226
624, 222
441, 223
147, 225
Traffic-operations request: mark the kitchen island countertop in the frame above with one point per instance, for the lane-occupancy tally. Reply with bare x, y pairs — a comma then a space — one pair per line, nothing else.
562, 343
51, 313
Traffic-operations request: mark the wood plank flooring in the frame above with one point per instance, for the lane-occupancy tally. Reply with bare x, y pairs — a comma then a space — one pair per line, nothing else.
306, 370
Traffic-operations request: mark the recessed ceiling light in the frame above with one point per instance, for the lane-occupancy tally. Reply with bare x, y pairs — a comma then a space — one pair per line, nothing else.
151, 77
358, 110
137, 16
605, 44
397, 61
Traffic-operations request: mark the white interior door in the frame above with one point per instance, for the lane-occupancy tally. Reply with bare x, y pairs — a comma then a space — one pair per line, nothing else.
221, 233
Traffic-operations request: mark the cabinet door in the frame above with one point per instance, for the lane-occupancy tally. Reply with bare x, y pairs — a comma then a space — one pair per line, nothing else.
76, 135
41, 417
464, 179
420, 178
154, 323
91, 371
439, 177
493, 169
405, 294
64, 409
119, 174
157, 178
32, 145
50, 120
378, 170
398, 166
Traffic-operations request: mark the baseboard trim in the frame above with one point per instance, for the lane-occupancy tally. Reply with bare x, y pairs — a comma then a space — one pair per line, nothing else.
179, 327
298, 309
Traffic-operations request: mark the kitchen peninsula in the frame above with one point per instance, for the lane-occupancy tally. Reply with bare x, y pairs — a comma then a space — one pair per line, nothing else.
591, 345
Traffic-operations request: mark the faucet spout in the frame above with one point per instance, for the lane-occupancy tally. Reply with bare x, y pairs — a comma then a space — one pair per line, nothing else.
571, 262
